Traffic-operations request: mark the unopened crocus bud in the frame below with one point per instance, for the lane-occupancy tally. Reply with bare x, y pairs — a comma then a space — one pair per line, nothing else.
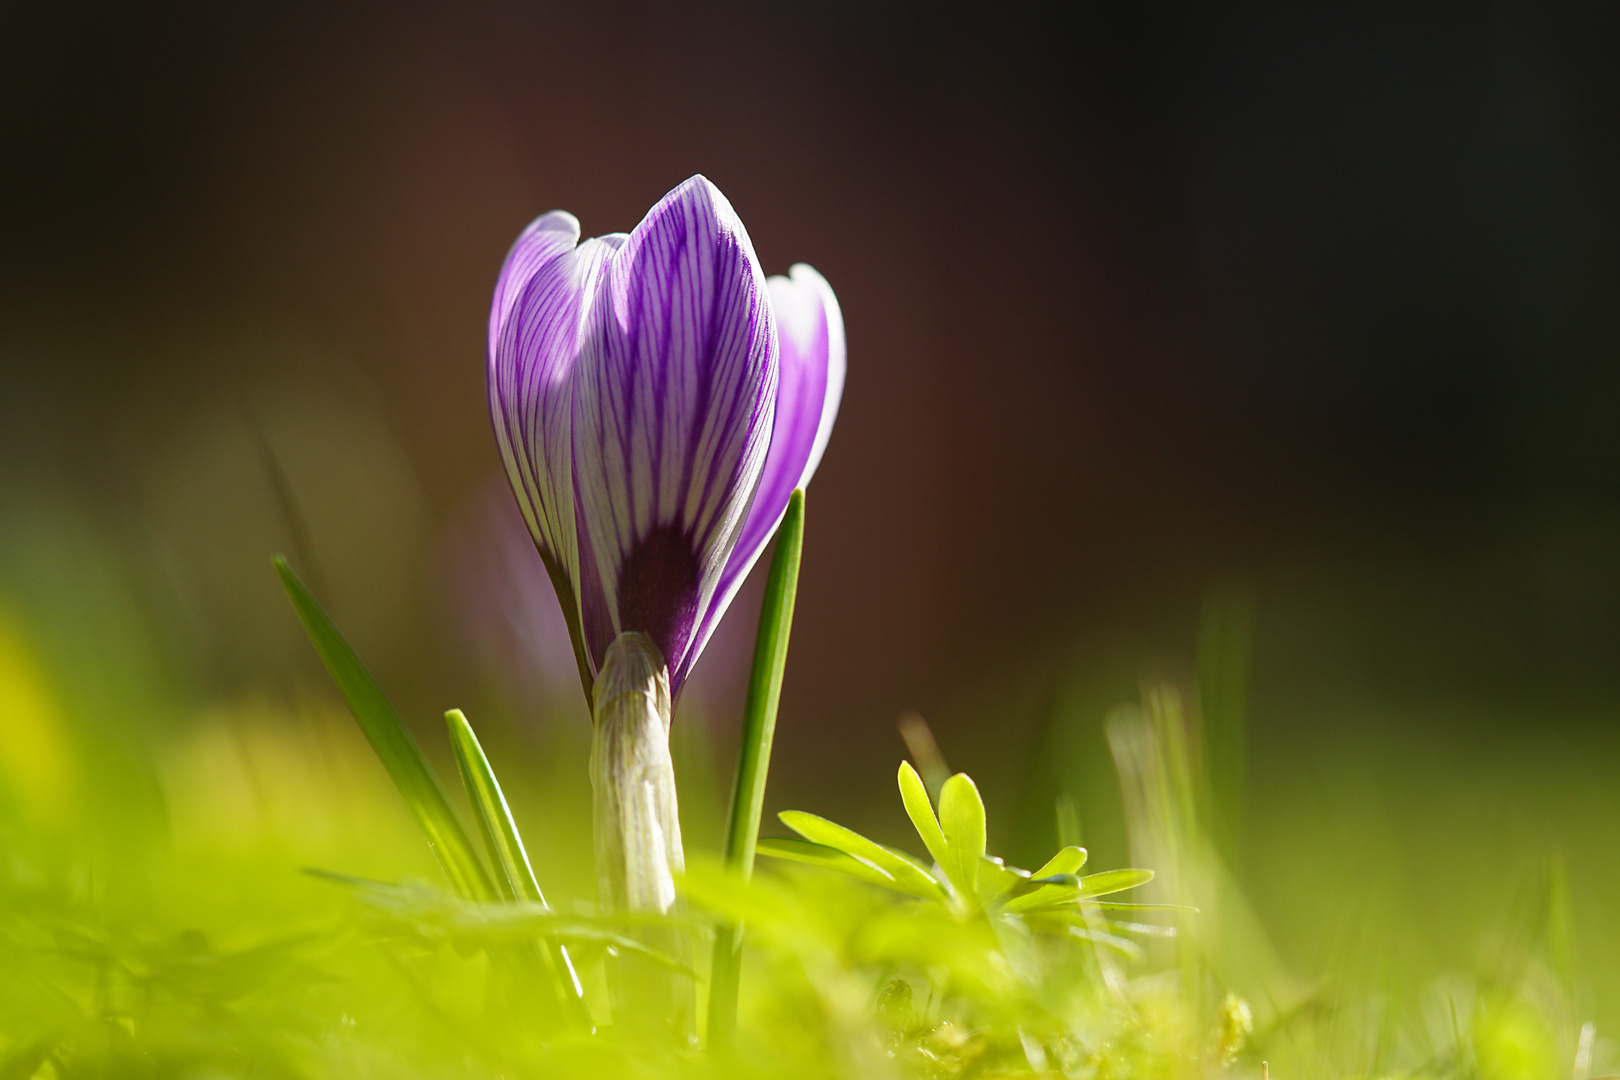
656, 400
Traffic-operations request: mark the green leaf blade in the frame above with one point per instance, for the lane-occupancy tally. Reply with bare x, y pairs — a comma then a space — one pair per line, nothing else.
506, 851
392, 742
811, 854
765, 689
494, 816
1113, 881
754, 755
921, 811
1068, 860
961, 818
1055, 882
909, 874
1065, 890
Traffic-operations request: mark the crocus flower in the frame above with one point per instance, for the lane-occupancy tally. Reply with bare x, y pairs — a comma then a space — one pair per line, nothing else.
656, 400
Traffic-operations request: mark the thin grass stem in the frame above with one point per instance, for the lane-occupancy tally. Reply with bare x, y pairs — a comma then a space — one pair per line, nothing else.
392, 741
515, 875
754, 759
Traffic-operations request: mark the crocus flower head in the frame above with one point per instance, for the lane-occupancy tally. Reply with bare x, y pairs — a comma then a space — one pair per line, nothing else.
656, 400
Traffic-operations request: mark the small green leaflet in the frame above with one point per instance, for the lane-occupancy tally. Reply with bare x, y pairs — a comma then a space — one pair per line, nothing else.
921, 812
909, 875
961, 818
1112, 881
1066, 889
796, 850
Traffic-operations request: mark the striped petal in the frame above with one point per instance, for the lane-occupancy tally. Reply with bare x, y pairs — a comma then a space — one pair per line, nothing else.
541, 298
674, 397
526, 367
547, 237
810, 331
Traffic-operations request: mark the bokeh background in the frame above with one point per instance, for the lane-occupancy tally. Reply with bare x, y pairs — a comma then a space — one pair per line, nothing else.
1300, 323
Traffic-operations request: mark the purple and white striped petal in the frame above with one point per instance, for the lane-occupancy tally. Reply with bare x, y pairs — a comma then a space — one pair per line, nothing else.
525, 365
674, 397
810, 332
810, 329
541, 298
546, 237
542, 295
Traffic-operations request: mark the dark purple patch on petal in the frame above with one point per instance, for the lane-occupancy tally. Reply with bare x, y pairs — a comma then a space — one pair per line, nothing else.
658, 590
673, 398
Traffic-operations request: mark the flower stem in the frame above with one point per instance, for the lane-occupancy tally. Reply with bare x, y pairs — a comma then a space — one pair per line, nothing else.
638, 833
754, 758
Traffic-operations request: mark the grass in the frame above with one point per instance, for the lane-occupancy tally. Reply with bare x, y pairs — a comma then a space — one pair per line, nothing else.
203, 949
1358, 914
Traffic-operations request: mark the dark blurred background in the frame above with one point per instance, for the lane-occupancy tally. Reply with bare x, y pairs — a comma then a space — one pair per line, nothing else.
1313, 310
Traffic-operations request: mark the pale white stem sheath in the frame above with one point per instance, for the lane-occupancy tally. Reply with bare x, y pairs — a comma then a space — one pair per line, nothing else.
638, 829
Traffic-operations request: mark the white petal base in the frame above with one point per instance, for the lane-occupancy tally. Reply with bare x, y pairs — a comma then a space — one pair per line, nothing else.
638, 833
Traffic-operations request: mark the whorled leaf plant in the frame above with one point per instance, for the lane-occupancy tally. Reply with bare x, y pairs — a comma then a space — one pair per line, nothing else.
964, 877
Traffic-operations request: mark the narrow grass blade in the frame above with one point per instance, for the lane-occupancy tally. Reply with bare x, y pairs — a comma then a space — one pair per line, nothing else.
393, 743
924, 750
1145, 929
765, 689
516, 878
754, 756
1068, 820
1113, 941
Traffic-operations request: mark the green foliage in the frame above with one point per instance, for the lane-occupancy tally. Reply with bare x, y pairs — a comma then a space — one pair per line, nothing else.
966, 879
226, 962
525, 914
201, 951
765, 688
419, 911
392, 741
754, 755
997, 948
902, 871
507, 853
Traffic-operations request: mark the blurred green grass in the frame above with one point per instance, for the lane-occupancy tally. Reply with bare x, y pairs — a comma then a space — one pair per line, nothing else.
1408, 897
